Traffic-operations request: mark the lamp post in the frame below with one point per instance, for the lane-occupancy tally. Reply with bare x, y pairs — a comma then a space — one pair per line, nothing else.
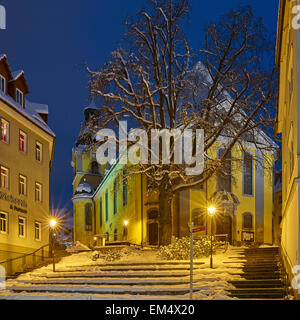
125, 229
52, 224
211, 212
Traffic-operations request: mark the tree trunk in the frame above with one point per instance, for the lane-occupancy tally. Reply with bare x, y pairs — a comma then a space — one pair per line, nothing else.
165, 217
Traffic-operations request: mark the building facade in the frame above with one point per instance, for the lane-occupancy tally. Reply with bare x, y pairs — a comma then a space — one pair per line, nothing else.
26, 151
288, 124
108, 203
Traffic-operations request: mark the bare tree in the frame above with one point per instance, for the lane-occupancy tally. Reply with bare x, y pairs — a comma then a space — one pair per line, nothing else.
153, 80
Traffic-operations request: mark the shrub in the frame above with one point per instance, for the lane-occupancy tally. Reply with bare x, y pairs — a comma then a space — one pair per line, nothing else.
113, 255
180, 249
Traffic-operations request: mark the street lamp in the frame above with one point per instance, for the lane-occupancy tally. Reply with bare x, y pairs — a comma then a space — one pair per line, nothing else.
125, 229
211, 212
52, 224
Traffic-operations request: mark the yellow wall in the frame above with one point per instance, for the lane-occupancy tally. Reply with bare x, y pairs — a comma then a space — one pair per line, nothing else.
287, 125
25, 164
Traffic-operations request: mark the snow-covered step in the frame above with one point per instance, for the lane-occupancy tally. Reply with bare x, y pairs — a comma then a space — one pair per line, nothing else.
134, 268
7, 295
108, 281
145, 263
271, 283
133, 274
90, 289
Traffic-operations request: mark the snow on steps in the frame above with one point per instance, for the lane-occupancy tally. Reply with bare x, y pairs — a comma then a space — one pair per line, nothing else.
143, 278
111, 289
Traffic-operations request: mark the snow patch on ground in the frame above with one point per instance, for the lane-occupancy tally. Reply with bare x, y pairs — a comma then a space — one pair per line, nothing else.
78, 246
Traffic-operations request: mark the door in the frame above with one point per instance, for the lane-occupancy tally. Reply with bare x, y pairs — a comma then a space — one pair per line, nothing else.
224, 226
153, 234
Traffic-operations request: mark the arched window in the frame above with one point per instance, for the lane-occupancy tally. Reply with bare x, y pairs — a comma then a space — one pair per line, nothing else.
116, 235
106, 236
152, 214
247, 220
248, 173
94, 167
125, 188
115, 191
88, 217
198, 217
224, 177
100, 212
106, 205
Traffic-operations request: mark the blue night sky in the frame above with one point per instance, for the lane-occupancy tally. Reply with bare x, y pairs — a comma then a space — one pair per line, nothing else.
51, 40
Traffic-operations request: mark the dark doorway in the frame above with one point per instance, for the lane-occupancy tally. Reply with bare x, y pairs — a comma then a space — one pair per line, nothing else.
153, 234
224, 226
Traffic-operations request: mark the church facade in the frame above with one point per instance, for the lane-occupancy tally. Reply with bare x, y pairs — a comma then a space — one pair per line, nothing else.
108, 207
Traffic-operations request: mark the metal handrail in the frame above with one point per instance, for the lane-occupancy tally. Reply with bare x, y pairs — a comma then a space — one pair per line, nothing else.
25, 255
23, 259
284, 274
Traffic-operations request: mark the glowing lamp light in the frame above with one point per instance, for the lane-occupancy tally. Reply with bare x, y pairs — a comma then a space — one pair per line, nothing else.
53, 223
211, 210
95, 238
125, 223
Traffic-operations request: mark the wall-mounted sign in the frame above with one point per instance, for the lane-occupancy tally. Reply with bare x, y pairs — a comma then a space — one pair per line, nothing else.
247, 236
199, 229
9, 198
15, 208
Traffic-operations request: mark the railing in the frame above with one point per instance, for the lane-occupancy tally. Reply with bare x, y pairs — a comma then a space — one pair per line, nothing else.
221, 243
25, 261
283, 273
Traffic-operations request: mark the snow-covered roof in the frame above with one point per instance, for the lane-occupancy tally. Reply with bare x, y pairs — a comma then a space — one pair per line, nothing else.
17, 74
92, 105
38, 107
30, 112
84, 188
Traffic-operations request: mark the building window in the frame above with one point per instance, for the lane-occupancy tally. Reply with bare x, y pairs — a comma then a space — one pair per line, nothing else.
4, 131
291, 150
100, 213
88, 217
248, 174
38, 231
106, 205
22, 185
94, 167
4, 182
224, 177
38, 192
116, 235
2, 84
23, 141
125, 188
3, 222
38, 151
247, 220
152, 214
22, 228
115, 191
19, 97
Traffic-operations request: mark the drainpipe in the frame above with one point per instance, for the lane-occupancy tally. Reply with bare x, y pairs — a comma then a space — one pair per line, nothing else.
142, 211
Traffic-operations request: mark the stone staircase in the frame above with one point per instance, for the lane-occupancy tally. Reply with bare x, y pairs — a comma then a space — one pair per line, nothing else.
261, 273
116, 280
